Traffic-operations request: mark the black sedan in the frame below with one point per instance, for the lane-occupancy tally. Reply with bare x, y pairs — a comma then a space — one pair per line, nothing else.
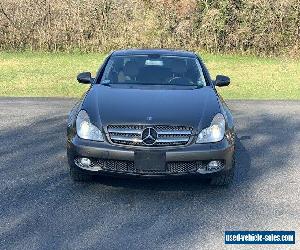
152, 113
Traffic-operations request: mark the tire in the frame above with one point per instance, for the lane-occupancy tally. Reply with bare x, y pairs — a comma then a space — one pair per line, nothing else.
78, 175
226, 178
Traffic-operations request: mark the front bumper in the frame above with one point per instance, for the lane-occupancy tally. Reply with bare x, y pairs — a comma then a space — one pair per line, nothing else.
222, 151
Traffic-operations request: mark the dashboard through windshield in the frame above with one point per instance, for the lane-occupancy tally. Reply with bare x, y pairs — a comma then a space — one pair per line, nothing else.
153, 70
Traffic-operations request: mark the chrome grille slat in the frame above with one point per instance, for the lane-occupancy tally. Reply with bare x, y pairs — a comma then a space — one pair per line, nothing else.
176, 132
124, 131
166, 135
170, 140
125, 138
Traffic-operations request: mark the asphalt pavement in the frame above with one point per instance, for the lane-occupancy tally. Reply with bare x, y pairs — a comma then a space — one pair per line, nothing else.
41, 208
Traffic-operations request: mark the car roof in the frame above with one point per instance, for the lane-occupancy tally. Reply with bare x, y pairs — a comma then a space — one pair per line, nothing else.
164, 52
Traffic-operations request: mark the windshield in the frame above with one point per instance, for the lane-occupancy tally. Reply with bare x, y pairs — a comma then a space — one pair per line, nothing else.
153, 70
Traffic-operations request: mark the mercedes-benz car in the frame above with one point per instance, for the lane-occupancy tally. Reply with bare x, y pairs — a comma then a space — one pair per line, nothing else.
152, 113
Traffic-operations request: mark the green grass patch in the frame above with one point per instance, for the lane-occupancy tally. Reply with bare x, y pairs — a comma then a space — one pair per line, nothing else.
54, 74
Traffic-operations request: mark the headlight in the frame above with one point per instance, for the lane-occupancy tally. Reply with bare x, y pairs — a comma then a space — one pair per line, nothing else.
85, 129
215, 132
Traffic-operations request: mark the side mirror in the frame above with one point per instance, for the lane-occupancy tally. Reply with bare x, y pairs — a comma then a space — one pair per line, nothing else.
222, 81
85, 78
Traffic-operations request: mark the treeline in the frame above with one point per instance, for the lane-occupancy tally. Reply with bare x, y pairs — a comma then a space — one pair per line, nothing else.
261, 27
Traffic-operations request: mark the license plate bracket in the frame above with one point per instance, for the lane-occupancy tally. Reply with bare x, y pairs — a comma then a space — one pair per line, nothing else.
150, 161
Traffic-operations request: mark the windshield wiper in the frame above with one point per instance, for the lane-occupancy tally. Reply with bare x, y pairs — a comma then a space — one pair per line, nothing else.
149, 84
184, 85
199, 86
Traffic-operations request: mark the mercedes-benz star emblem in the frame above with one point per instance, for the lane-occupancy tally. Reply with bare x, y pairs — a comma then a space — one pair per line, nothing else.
149, 136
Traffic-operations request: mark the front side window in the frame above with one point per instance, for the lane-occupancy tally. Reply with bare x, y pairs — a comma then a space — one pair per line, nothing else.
153, 70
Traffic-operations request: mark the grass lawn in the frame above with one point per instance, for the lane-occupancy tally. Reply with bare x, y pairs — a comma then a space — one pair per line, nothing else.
46, 74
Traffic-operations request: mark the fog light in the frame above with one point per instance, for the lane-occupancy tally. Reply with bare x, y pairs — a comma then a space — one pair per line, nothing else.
213, 166
85, 162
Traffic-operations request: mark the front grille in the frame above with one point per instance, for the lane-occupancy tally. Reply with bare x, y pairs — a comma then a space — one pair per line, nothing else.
126, 166
115, 165
184, 166
166, 135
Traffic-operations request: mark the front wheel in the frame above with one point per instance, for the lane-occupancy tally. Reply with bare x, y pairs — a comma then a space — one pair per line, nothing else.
78, 175
223, 179
226, 178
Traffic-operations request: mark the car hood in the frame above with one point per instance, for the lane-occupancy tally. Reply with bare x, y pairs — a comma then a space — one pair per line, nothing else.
185, 107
